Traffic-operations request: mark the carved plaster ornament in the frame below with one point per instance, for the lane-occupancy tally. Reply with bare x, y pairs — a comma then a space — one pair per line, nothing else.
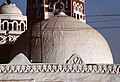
75, 59
20, 59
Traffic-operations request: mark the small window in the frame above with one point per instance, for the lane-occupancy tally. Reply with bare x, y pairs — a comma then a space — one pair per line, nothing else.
74, 15
81, 8
77, 16
22, 27
15, 26
81, 16
10, 26
5, 25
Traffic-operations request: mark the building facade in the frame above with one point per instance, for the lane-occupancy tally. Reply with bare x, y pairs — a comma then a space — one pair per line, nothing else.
21, 70
43, 9
12, 23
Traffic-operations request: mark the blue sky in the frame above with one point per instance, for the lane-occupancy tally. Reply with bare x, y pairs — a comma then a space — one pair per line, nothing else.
110, 32
108, 26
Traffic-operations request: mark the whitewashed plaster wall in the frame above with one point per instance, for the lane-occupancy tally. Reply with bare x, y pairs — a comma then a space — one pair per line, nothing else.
60, 77
21, 70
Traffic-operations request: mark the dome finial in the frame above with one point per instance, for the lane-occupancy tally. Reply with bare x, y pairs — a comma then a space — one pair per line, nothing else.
8, 1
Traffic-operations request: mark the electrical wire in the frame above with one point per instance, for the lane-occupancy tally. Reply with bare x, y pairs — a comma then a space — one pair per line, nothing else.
103, 20
103, 15
108, 27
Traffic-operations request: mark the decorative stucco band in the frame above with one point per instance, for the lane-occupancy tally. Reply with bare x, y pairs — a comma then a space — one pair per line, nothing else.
54, 68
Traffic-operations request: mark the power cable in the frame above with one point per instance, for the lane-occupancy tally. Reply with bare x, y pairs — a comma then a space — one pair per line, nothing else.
108, 27
103, 20
103, 15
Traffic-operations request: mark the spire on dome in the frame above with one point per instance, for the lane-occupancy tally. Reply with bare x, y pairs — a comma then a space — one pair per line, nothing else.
8, 1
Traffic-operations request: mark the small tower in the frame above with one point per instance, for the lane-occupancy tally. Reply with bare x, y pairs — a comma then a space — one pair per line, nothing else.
78, 10
12, 23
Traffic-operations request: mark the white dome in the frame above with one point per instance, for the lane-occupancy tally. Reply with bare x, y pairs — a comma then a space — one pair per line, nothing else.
63, 36
10, 9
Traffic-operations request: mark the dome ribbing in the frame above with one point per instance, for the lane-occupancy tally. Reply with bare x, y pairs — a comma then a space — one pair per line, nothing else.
60, 38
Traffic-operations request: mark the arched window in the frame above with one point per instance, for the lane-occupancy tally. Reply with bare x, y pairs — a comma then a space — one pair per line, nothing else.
15, 26
19, 28
74, 15
78, 17
5, 25
22, 27
81, 16
10, 26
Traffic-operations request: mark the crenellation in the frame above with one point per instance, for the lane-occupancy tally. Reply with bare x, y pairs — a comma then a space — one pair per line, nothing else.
54, 68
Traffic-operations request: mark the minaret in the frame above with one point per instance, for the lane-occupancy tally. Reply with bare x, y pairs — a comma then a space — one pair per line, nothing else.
35, 11
35, 14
